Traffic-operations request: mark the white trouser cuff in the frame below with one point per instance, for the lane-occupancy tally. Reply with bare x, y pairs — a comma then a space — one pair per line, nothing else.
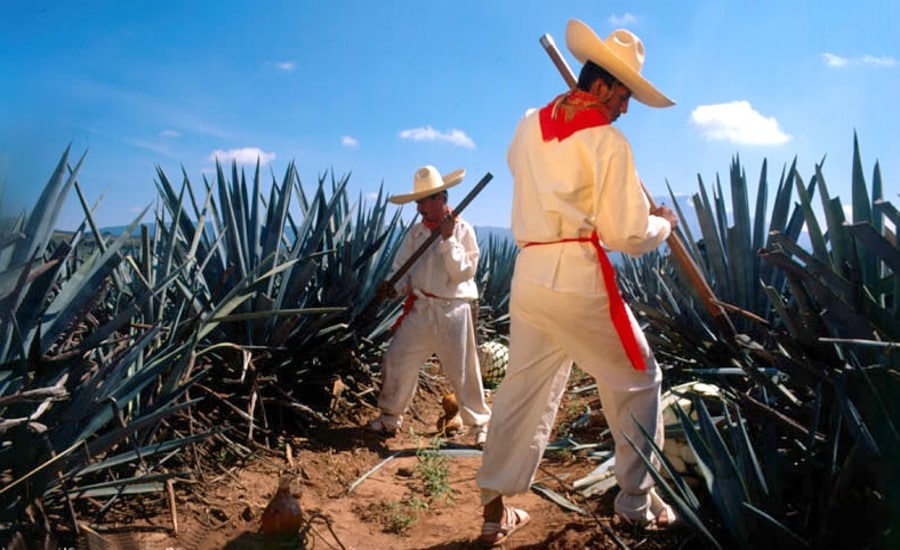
632, 505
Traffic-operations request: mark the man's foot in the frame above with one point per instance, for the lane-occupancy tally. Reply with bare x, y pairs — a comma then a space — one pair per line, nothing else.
657, 516
480, 433
495, 533
385, 425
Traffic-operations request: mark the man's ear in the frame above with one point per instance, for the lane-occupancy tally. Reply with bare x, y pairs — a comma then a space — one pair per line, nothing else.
600, 89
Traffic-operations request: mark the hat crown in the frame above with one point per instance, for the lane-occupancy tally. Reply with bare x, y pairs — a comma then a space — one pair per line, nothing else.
426, 179
627, 47
621, 54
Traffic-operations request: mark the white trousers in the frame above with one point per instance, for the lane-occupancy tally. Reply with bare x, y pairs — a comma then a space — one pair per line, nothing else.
445, 328
549, 330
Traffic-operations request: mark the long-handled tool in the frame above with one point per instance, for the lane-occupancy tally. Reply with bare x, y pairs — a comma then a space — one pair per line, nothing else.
372, 307
713, 306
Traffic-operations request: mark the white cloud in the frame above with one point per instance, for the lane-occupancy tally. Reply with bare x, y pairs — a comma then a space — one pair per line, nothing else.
737, 122
837, 61
349, 141
834, 60
170, 133
452, 136
622, 20
244, 155
286, 66
371, 196
883, 61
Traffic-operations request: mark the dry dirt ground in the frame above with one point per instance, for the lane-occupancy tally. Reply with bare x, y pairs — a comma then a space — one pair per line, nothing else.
391, 507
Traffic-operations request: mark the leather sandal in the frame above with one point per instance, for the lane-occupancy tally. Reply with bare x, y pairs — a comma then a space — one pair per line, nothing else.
650, 521
495, 533
382, 428
480, 436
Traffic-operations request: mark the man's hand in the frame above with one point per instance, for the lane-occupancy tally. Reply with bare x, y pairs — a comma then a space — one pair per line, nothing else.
447, 225
666, 213
386, 291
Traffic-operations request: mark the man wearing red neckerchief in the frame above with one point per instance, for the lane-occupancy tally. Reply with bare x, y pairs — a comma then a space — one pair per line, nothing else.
576, 191
437, 315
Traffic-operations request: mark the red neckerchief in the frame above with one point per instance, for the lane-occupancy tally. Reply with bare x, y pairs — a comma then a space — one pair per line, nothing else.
434, 225
569, 112
617, 311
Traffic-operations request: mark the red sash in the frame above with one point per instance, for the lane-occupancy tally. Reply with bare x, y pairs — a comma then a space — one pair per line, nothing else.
617, 311
566, 114
408, 303
410, 297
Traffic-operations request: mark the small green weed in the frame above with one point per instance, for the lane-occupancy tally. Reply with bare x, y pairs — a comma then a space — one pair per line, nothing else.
403, 515
435, 471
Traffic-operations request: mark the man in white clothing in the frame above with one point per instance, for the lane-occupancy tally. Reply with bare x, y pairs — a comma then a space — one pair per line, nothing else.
576, 192
437, 315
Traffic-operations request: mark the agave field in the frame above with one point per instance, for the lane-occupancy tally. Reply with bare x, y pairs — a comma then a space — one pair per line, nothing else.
238, 309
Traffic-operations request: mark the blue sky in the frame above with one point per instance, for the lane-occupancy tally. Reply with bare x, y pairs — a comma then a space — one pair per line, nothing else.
378, 89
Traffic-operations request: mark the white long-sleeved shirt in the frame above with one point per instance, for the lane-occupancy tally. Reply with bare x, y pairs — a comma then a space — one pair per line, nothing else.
567, 189
447, 269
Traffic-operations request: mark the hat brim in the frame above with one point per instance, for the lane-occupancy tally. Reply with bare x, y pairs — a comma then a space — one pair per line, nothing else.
453, 178
586, 46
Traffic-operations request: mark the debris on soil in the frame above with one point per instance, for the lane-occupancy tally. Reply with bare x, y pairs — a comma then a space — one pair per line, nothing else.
360, 490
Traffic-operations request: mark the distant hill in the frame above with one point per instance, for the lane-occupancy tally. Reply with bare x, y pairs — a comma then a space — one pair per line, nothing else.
482, 231
117, 230
485, 232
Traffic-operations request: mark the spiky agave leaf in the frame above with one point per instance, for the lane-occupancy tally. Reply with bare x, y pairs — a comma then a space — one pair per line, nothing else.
86, 392
823, 316
681, 496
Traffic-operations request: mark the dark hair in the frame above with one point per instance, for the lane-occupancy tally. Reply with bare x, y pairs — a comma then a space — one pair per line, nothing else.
440, 194
591, 72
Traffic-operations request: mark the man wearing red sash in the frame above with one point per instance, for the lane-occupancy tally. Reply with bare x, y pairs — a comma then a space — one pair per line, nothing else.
437, 315
576, 191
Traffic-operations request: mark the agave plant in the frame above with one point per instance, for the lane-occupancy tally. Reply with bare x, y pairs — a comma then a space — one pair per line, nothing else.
302, 329
808, 387
106, 343
493, 277
85, 382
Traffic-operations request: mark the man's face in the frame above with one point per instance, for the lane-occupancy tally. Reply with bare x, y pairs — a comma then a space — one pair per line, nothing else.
432, 207
614, 99
618, 103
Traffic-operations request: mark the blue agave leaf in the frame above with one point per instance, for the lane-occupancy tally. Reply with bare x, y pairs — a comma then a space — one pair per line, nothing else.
689, 513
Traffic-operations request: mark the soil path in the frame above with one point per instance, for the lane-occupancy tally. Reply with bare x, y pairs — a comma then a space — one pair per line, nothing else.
389, 509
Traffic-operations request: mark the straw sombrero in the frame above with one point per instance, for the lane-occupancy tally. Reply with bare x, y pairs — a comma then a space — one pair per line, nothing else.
622, 54
429, 181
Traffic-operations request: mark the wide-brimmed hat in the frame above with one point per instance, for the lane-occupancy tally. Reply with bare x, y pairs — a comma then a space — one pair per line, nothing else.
621, 54
429, 181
